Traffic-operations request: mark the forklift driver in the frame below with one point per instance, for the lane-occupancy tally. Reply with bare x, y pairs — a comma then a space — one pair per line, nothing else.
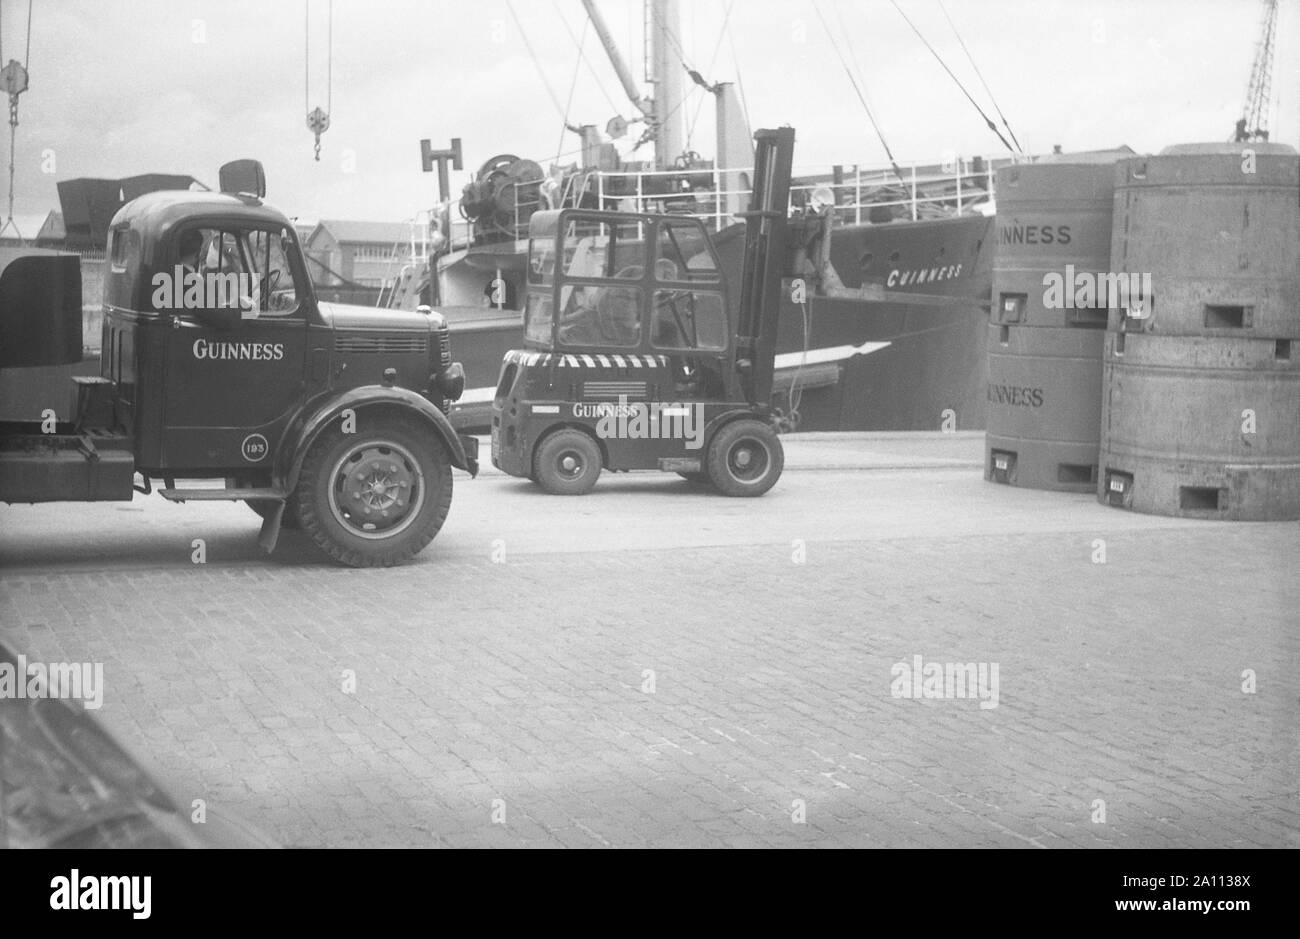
602, 316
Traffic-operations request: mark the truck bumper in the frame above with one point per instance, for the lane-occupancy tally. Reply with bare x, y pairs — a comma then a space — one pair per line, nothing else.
470, 445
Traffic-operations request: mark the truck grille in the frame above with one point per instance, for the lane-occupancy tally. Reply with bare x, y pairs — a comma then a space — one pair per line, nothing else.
444, 346
378, 345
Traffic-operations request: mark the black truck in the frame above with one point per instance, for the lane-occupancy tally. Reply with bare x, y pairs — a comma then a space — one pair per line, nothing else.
223, 377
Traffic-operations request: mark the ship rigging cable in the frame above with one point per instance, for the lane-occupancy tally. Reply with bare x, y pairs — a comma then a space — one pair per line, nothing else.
987, 89
318, 120
722, 34
858, 90
13, 79
853, 55
993, 127
582, 54
740, 79
573, 86
555, 100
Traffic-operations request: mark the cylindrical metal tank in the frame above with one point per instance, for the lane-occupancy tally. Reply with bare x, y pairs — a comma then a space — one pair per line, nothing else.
1047, 322
1201, 403
1044, 405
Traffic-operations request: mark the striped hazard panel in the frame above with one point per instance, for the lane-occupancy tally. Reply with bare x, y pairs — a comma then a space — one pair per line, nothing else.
586, 360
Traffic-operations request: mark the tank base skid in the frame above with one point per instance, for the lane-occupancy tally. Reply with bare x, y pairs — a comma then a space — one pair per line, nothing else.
91, 466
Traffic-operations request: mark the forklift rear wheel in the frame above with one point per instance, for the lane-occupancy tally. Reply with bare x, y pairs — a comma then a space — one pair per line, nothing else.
374, 499
264, 507
745, 458
567, 463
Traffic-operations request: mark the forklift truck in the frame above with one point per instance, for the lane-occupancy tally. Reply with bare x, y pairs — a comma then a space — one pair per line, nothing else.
223, 377
634, 359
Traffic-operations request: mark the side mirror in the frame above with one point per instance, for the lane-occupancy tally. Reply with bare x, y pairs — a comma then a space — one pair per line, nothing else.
228, 317
243, 177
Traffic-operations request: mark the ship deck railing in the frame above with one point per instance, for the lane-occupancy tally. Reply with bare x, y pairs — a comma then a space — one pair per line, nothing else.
954, 187
949, 188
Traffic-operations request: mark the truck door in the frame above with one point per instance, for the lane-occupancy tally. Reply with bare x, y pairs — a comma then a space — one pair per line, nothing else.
231, 389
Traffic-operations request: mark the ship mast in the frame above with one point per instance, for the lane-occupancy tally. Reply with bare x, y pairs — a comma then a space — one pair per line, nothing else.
666, 75
662, 112
643, 104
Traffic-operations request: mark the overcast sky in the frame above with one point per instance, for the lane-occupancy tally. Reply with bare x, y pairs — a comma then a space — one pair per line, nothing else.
131, 86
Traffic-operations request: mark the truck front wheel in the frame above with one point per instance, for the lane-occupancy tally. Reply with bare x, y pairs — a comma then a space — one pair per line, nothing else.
745, 458
567, 463
374, 499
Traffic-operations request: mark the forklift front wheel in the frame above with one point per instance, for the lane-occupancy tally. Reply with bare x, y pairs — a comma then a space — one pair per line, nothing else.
745, 458
374, 499
567, 463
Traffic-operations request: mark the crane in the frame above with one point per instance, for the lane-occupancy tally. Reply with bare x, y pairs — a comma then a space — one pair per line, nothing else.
1253, 123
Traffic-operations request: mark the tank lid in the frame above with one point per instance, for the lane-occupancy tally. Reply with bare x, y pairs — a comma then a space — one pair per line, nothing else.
1089, 156
1261, 148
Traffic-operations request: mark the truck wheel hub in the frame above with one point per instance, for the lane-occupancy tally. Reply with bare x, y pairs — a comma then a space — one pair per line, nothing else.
377, 490
748, 460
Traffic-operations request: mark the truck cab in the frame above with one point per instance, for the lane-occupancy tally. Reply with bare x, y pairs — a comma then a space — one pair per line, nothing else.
220, 365
633, 357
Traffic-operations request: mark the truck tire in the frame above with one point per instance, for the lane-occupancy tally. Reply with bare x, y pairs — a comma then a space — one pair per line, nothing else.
264, 507
745, 458
374, 499
567, 463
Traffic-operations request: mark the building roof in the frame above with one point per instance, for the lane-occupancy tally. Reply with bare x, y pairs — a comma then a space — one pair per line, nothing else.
350, 232
46, 226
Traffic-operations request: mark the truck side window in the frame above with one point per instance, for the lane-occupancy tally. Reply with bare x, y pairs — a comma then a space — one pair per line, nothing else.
117, 251
209, 251
270, 265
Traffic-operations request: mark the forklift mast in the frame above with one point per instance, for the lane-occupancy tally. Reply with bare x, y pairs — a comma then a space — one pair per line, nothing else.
766, 232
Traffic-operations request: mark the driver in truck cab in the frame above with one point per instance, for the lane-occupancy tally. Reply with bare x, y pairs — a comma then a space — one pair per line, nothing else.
190, 248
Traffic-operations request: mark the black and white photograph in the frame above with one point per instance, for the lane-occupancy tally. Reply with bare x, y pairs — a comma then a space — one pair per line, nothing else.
652, 424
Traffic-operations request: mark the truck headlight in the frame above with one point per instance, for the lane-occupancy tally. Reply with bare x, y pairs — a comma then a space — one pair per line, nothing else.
450, 382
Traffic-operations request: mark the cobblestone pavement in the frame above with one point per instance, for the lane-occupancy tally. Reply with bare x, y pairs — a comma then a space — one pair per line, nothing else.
655, 665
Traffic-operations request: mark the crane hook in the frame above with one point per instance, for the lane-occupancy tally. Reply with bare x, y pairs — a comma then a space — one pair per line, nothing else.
318, 121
